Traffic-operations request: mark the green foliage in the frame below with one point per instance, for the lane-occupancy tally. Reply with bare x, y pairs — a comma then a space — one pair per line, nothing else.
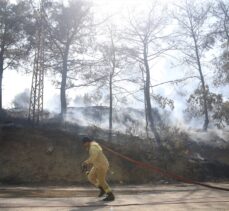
221, 32
216, 107
93, 99
14, 40
221, 115
68, 37
222, 69
163, 101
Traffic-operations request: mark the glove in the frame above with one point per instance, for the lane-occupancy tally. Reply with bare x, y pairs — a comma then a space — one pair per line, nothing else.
84, 168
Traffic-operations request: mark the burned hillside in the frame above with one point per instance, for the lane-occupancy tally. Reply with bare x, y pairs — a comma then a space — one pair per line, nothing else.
52, 154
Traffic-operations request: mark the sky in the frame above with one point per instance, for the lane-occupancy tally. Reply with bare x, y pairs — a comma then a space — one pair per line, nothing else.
165, 70
114, 8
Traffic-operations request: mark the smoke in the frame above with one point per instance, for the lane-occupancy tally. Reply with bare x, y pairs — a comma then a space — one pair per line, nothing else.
125, 120
214, 137
21, 100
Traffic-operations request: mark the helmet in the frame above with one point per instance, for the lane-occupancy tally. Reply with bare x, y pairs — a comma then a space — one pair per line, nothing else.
86, 139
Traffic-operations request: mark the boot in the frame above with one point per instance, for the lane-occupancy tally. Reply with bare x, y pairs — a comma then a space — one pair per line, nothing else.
110, 197
102, 192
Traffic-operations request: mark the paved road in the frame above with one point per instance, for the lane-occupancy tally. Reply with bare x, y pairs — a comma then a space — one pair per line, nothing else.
134, 198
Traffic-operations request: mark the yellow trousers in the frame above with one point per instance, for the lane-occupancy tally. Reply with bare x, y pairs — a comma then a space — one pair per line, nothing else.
97, 176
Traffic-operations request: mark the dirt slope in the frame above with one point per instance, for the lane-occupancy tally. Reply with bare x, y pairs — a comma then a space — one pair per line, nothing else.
51, 156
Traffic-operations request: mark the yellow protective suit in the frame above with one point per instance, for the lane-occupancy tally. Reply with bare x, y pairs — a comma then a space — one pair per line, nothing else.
97, 174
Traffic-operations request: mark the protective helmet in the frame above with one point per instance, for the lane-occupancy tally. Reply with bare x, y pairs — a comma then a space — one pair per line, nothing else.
86, 139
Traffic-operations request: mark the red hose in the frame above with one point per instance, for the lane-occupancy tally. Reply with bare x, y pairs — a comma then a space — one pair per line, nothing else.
161, 171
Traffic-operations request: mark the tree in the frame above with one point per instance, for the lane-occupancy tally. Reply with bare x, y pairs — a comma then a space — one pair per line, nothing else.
69, 29
221, 31
144, 37
221, 115
111, 67
14, 42
193, 39
218, 110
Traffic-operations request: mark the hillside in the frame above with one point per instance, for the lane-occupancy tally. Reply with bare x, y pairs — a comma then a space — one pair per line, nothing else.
51, 154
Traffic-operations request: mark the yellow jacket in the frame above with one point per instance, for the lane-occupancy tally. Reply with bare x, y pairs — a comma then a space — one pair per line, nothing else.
96, 156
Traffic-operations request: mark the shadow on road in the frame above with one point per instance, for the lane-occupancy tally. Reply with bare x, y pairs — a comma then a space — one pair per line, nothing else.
91, 206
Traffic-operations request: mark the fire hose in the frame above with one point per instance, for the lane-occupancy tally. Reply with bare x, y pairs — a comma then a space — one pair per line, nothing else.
160, 171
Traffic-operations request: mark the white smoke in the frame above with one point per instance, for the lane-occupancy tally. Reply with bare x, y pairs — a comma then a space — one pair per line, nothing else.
21, 100
125, 120
214, 137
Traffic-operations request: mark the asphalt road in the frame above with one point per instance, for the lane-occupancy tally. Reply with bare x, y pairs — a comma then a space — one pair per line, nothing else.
134, 198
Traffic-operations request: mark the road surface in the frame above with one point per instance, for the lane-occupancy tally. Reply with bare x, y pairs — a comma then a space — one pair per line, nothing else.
134, 198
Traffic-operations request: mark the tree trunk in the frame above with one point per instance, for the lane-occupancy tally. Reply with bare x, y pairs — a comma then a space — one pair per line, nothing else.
148, 100
110, 108
145, 105
1, 71
113, 62
206, 119
146, 116
1, 77
63, 84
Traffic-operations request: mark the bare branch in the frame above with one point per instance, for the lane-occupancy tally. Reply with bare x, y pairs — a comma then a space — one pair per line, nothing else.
174, 81
90, 83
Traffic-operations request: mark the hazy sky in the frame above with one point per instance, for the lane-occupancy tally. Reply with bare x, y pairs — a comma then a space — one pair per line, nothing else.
103, 8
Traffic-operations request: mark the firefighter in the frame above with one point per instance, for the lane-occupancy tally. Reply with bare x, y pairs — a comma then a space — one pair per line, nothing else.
100, 166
